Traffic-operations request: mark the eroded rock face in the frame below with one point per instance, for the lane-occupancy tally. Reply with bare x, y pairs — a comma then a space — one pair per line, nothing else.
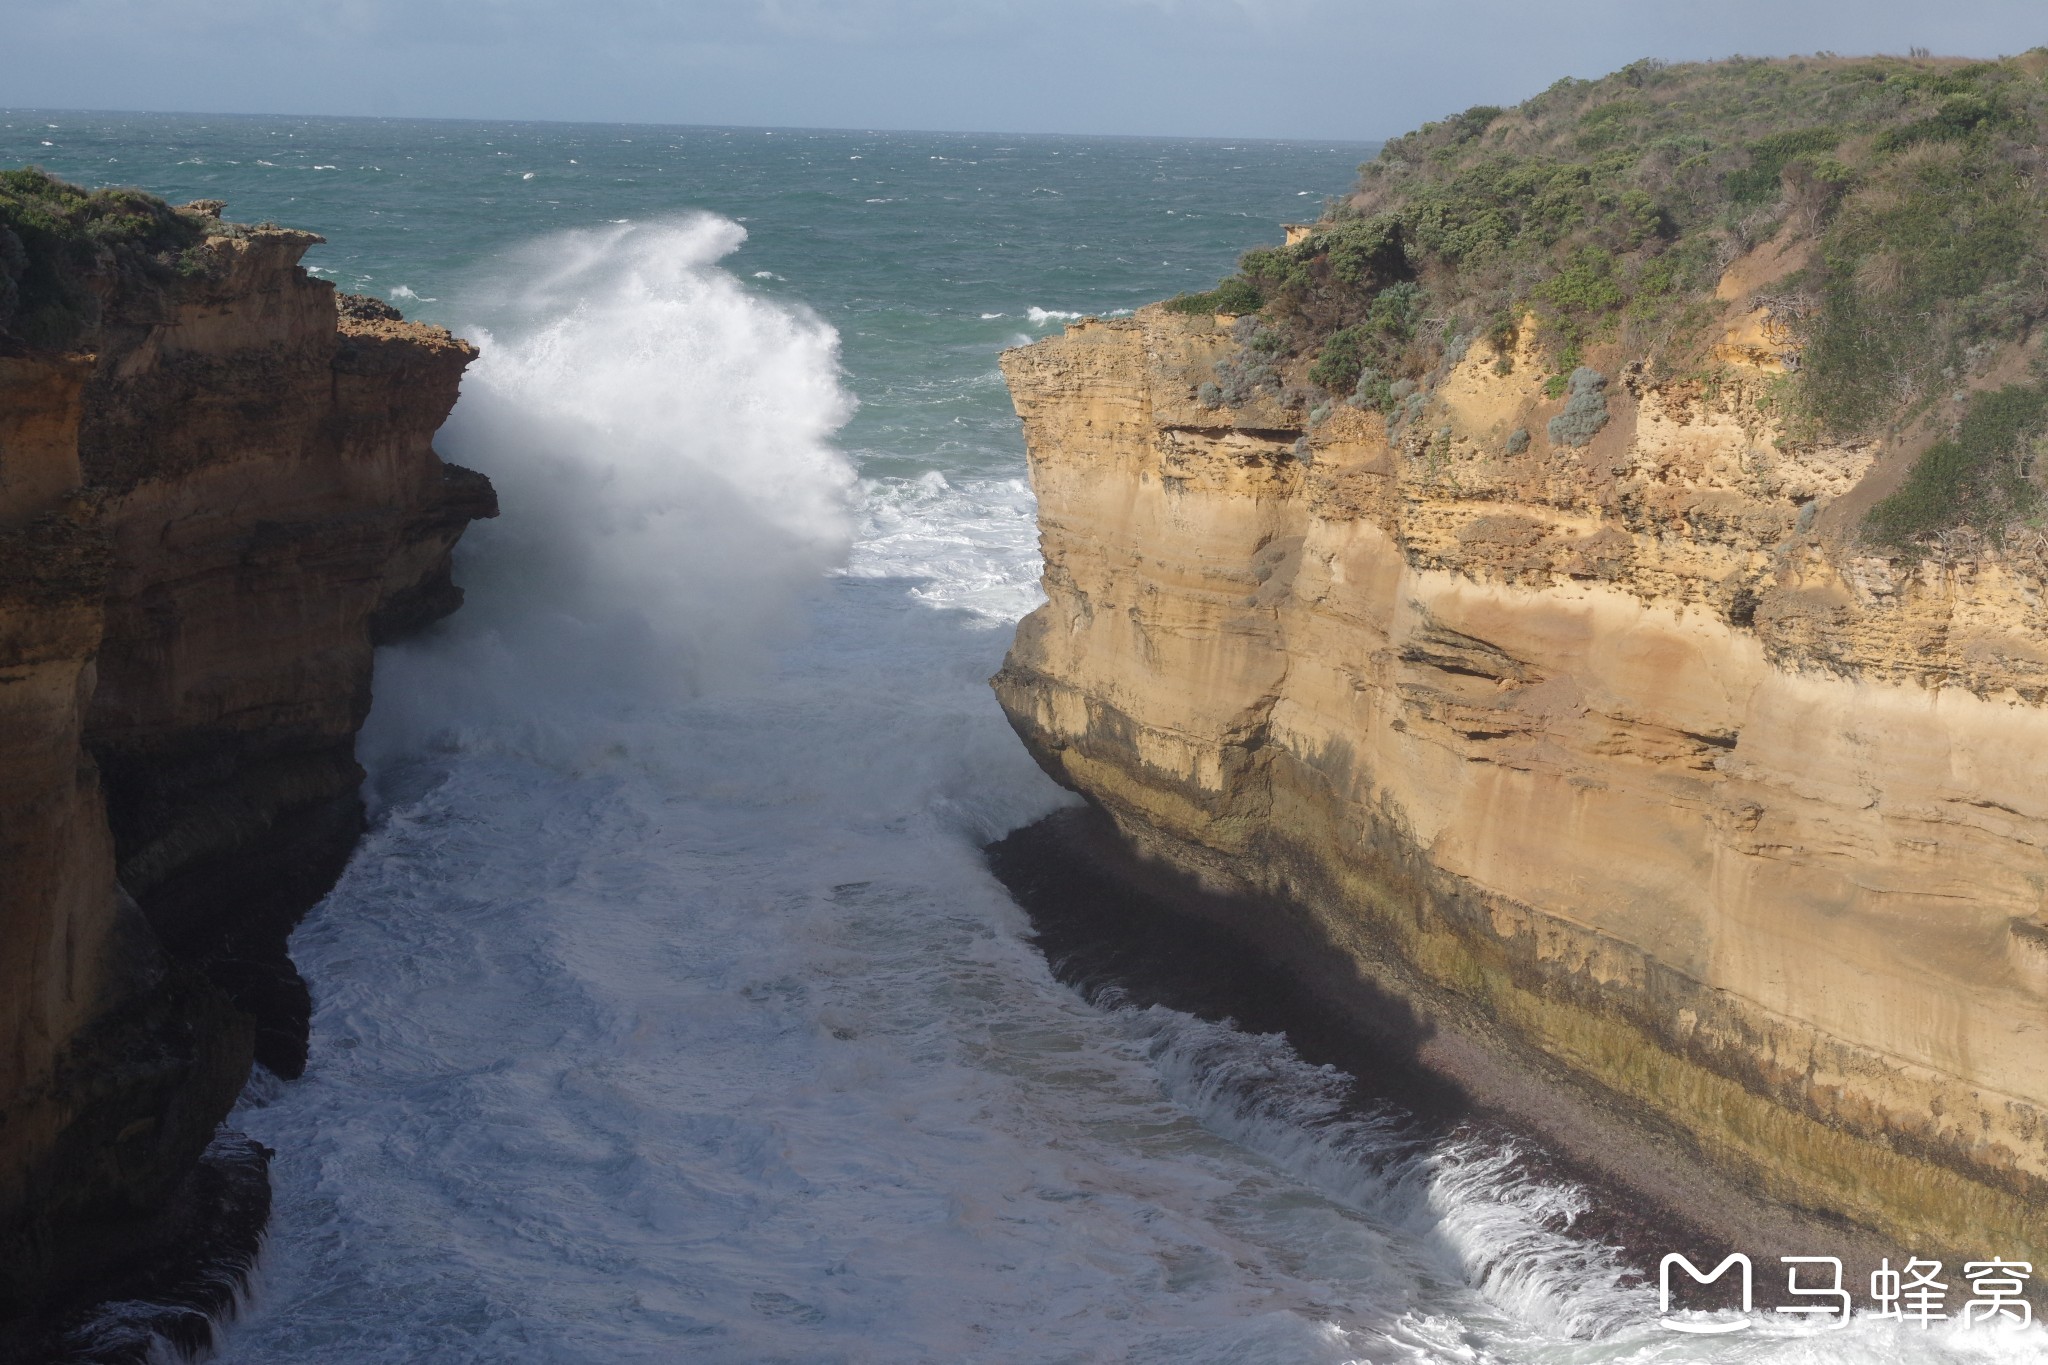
206, 523
275, 508
1621, 753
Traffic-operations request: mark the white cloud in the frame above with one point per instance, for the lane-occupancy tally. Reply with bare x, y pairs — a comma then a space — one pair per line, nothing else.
1342, 68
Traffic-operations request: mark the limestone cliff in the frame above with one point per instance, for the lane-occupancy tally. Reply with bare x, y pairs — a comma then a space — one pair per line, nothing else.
215, 498
1627, 755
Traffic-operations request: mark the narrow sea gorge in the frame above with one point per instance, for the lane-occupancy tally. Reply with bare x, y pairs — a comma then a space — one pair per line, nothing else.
670, 1010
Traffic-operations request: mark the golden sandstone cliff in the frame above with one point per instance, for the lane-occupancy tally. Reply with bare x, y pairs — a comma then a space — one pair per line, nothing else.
211, 508
1622, 758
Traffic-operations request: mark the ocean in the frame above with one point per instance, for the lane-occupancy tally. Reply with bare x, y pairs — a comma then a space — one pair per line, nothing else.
670, 1011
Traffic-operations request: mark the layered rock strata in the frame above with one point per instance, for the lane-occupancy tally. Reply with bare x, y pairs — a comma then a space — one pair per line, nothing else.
210, 513
1621, 757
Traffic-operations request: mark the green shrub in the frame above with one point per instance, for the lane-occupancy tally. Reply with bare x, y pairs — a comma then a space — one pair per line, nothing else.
1378, 343
1977, 477
1395, 311
1951, 230
1582, 295
1585, 412
1235, 295
1329, 279
1757, 183
1961, 115
60, 245
1363, 253
1250, 371
1372, 391
1343, 356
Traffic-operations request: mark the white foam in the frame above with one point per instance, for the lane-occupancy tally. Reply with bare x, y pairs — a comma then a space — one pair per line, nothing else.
1041, 316
659, 436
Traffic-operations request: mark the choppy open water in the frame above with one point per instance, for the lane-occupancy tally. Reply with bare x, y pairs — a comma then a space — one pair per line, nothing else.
669, 1012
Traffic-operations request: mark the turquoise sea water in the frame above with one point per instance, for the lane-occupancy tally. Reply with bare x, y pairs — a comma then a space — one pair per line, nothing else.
668, 1013
928, 252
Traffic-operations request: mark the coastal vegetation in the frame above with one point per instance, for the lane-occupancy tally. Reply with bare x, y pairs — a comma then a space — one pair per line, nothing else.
1901, 202
62, 248
1985, 473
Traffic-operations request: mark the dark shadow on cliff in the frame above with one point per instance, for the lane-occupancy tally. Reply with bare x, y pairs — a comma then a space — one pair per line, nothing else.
225, 848
167, 1283
1104, 916
1108, 918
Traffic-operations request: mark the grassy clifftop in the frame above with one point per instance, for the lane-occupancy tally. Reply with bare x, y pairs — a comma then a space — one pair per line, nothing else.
1903, 199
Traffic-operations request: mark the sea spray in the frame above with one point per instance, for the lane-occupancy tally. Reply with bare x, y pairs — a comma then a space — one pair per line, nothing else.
660, 437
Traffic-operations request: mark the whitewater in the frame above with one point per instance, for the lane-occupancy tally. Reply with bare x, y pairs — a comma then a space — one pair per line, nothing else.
669, 1010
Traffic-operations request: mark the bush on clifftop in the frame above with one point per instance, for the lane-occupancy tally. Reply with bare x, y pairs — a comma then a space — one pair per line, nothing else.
1234, 295
62, 246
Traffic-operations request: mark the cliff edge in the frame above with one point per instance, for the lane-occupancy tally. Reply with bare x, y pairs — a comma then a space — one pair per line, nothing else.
1563, 664
218, 493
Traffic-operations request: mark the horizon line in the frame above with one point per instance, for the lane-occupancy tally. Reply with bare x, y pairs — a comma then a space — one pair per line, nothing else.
719, 127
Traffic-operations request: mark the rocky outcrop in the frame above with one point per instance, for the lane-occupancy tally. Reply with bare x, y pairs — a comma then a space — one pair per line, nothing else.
1622, 757
210, 512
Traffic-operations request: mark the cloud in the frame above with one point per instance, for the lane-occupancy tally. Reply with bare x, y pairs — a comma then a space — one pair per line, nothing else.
1332, 68
118, 22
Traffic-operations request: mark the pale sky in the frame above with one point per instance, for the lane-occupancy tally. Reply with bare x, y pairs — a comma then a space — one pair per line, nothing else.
1227, 68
